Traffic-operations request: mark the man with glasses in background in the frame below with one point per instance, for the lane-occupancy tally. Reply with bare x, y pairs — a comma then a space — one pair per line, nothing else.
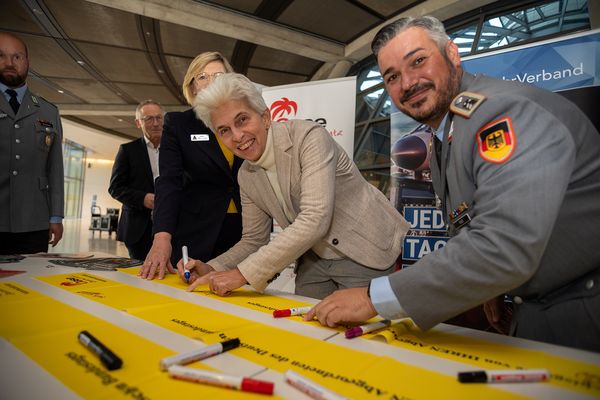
132, 180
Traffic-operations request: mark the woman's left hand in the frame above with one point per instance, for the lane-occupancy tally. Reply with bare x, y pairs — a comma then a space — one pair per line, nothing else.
220, 283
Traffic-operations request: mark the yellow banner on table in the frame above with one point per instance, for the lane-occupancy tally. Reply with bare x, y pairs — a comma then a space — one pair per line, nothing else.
247, 298
566, 373
348, 372
46, 330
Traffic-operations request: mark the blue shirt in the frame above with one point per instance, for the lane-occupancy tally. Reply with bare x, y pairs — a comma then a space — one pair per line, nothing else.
20, 92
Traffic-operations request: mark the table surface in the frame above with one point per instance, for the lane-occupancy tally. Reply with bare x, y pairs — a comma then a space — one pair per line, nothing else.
16, 365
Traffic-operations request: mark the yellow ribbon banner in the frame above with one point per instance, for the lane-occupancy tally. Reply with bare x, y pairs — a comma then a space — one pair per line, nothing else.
349, 372
566, 373
46, 330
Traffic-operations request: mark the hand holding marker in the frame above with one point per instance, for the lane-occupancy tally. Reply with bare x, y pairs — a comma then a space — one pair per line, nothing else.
184, 254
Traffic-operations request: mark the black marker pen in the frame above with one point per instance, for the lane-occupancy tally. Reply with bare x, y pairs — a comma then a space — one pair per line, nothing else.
110, 360
504, 375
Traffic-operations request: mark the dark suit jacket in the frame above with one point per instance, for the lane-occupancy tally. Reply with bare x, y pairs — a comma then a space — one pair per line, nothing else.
195, 186
131, 180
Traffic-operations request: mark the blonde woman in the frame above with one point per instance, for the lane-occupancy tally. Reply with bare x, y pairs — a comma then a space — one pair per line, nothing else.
197, 195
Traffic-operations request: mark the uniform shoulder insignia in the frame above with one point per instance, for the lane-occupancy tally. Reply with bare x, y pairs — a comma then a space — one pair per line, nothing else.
466, 103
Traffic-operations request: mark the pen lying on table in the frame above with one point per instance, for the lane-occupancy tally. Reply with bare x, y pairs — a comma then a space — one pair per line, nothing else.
217, 379
199, 354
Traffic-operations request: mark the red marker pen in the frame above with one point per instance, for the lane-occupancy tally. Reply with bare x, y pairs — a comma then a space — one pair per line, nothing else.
291, 311
216, 379
361, 330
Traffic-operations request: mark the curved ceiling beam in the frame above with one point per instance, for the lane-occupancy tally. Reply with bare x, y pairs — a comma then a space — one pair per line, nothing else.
44, 18
224, 22
149, 30
243, 51
441, 9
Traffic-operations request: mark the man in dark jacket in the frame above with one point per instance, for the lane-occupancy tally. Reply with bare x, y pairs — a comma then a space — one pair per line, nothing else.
132, 180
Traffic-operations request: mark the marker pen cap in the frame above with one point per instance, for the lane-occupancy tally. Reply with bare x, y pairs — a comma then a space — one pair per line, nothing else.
353, 332
111, 361
230, 344
281, 313
472, 377
256, 386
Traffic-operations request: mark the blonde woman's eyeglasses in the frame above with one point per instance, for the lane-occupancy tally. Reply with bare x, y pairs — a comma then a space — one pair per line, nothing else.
203, 77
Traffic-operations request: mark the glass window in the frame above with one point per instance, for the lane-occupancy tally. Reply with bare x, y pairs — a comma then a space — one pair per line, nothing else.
74, 160
464, 38
375, 147
526, 24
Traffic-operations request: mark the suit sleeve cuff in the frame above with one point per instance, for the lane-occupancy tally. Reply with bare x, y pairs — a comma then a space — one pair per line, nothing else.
384, 300
56, 220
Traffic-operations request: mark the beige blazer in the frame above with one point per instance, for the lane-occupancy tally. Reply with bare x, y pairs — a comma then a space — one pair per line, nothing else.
330, 201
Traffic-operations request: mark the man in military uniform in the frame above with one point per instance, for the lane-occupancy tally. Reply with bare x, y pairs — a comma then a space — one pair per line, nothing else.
31, 165
518, 174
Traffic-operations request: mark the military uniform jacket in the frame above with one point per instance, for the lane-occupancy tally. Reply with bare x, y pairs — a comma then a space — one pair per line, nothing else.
330, 201
31, 165
534, 209
130, 181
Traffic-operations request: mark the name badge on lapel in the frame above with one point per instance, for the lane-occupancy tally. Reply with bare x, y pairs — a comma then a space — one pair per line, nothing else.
460, 217
196, 137
2, 115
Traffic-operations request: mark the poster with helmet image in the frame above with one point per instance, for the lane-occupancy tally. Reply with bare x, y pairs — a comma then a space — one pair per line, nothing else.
411, 188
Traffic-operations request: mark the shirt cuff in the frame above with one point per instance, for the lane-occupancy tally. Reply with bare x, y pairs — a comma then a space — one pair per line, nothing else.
56, 220
384, 300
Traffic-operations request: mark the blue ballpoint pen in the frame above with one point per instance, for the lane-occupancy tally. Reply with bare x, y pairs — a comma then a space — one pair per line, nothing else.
186, 273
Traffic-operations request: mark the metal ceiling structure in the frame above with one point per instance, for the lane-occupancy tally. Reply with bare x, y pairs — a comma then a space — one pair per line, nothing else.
96, 59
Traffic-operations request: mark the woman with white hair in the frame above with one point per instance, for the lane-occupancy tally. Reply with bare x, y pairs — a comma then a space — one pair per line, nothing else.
342, 230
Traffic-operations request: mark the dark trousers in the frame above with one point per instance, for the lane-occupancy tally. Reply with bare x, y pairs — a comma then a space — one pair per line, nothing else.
24, 242
139, 250
229, 234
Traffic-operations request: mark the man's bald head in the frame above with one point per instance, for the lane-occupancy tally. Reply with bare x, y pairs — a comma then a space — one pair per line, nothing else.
14, 61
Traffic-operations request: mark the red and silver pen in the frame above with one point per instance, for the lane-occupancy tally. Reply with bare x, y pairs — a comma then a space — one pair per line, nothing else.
218, 379
291, 311
361, 330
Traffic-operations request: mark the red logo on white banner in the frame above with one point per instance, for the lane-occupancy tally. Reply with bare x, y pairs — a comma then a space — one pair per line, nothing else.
283, 109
